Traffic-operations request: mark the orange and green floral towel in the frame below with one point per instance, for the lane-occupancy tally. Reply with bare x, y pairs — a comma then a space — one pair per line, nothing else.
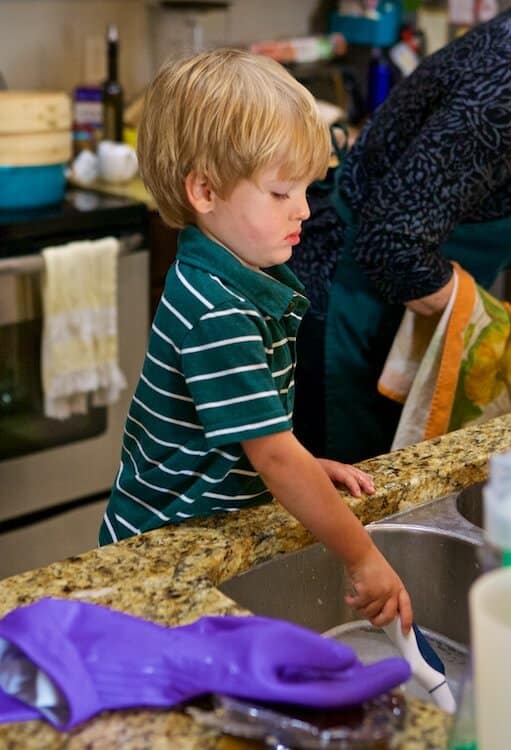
450, 370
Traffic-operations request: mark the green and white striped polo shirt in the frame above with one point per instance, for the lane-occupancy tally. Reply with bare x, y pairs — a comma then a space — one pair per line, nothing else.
219, 369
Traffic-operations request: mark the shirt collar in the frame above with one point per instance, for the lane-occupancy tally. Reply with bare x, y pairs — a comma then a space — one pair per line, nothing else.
271, 290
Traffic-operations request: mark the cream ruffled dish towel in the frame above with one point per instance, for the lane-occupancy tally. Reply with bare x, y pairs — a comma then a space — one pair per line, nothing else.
450, 370
79, 352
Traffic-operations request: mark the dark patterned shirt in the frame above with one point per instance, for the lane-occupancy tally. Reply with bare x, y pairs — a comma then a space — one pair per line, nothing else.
436, 154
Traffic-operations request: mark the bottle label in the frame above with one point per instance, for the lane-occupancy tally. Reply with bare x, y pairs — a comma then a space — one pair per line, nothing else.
88, 113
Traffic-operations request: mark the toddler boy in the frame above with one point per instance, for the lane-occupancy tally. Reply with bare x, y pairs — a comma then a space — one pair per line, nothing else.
228, 144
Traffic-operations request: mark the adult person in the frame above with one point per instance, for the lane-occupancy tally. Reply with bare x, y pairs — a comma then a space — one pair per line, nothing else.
427, 181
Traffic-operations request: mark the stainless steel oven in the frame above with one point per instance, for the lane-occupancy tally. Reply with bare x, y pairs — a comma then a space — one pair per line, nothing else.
55, 475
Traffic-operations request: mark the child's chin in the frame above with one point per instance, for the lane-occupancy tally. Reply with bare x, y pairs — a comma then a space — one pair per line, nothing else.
277, 258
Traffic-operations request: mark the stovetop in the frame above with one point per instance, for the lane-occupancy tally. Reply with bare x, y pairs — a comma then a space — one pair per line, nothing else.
83, 214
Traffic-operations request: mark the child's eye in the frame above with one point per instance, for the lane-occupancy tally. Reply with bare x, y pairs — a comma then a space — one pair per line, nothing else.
280, 196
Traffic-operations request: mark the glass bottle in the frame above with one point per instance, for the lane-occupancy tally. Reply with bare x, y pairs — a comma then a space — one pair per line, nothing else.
112, 90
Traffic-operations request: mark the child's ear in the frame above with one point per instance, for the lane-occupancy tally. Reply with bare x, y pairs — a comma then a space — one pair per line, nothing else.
199, 192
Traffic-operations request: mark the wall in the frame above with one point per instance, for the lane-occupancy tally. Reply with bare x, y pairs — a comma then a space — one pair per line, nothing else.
45, 43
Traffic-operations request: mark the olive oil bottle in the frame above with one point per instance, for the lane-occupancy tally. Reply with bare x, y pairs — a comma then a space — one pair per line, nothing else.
112, 90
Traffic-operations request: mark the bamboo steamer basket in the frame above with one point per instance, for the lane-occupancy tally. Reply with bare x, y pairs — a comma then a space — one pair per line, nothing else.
35, 146
35, 149
34, 111
35, 128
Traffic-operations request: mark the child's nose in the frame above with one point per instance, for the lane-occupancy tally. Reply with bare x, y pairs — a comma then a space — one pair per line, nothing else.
302, 211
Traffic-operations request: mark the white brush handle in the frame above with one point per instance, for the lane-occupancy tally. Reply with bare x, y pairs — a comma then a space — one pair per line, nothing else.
430, 679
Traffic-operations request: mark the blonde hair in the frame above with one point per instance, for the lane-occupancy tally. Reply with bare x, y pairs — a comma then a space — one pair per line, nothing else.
226, 114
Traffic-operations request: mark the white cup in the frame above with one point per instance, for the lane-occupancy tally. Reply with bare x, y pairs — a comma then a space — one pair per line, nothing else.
117, 161
490, 624
85, 167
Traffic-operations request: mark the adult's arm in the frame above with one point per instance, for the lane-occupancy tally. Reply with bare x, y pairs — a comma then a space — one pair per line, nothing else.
459, 157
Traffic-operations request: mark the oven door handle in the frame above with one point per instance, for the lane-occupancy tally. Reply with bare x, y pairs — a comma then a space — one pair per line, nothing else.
27, 264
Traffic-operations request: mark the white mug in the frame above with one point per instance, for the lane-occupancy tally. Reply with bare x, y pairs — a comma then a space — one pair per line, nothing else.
117, 161
85, 167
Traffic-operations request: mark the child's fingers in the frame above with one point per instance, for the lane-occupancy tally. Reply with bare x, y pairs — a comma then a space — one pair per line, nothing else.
366, 482
380, 616
357, 482
352, 477
386, 614
352, 484
368, 610
366, 604
405, 611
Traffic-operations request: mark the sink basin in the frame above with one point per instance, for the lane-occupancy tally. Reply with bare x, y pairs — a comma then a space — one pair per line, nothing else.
470, 504
307, 587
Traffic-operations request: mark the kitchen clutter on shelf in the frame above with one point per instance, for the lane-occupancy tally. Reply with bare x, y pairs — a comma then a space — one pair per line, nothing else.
104, 148
112, 162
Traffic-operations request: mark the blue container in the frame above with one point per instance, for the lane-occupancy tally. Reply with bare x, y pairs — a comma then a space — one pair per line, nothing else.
31, 187
380, 31
379, 81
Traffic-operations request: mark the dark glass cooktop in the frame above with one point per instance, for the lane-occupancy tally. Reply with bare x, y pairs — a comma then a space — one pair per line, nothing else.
83, 214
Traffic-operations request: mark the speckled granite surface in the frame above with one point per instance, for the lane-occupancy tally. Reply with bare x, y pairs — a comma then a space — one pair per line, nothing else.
169, 576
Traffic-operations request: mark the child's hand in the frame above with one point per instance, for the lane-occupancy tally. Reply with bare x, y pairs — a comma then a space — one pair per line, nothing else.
356, 480
379, 594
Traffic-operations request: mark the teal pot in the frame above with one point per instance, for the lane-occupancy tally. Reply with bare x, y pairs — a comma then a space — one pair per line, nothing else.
31, 187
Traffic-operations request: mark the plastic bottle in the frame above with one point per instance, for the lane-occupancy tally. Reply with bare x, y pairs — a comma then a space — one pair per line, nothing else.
87, 117
379, 80
88, 99
494, 553
112, 90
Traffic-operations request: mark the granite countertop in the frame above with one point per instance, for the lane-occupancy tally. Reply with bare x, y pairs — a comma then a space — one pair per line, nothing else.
133, 188
170, 576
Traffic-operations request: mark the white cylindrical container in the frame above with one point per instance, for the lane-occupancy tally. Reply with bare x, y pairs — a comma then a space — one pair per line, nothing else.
490, 623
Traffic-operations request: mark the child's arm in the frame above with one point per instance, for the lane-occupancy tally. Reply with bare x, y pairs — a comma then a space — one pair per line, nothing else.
301, 484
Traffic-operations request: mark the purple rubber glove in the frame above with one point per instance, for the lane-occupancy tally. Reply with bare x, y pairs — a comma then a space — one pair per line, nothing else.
12, 709
72, 659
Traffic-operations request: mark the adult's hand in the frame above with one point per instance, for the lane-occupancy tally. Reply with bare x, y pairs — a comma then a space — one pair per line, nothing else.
432, 303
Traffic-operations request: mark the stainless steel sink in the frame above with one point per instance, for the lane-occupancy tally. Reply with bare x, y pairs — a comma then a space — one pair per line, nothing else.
307, 587
470, 504
435, 549
437, 567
